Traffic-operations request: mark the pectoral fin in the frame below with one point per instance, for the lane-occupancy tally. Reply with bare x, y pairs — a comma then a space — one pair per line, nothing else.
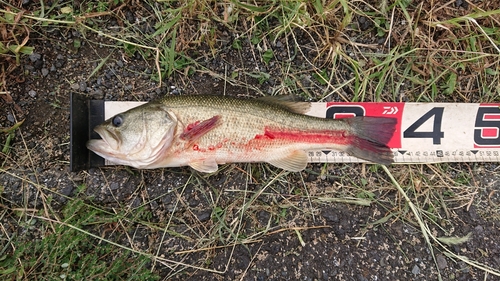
295, 161
204, 165
197, 130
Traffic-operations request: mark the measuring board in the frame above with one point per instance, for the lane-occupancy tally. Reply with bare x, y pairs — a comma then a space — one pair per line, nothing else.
425, 132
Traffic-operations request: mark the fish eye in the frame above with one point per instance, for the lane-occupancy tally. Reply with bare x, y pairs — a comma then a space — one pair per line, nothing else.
117, 120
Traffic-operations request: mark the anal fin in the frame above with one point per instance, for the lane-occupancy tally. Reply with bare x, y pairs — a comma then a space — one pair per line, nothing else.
295, 161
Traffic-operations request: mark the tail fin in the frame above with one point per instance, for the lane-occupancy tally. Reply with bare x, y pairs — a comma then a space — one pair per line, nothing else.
372, 136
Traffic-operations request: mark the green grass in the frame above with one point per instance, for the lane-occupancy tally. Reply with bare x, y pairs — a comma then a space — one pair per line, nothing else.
420, 53
66, 251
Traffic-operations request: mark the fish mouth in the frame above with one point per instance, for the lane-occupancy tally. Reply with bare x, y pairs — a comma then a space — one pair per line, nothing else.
103, 149
108, 143
98, 146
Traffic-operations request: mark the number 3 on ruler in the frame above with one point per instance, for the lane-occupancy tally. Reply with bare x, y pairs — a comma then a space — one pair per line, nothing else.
436, 134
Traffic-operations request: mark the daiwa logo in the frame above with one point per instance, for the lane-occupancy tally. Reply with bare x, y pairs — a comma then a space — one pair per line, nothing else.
390, 110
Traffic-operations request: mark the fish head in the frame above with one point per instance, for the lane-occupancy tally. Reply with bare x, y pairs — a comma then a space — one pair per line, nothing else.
137, 137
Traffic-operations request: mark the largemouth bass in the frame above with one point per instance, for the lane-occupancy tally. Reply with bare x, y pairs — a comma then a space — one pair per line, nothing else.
205, 131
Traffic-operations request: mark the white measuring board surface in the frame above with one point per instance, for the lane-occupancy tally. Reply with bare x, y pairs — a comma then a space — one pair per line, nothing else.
425, 132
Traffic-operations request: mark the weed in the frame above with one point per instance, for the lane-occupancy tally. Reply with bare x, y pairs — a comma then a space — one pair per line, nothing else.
69, 254
14, 36
10, 136
260, 76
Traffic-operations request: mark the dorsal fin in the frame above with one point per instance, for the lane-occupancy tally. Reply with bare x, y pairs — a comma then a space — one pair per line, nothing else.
289, 103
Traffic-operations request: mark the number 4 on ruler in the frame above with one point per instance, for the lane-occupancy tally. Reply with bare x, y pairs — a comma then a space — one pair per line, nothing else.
436, 135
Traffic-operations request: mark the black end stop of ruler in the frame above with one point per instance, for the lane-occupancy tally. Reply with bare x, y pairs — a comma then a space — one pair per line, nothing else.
84, 116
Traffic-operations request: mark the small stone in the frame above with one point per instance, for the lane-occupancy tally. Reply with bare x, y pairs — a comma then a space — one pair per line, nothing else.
204, 216
83, 86
441, 262
38, 64
66, 190
119, 63
479, 230
415, 270
75, 86
383, 261
461, 3
311, 178
114, 186
364, 23
32, 93
473, 213
330, 215
11, 118
45, 72
34, 57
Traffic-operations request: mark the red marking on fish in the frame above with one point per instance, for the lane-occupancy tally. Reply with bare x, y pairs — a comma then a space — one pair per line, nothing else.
323, 136
197, 148
268, 135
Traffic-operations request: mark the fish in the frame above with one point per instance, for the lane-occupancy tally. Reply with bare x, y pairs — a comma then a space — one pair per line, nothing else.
203, 132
